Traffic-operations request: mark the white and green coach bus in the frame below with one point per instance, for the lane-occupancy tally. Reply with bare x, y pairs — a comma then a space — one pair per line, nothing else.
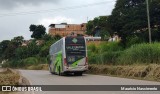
68, 55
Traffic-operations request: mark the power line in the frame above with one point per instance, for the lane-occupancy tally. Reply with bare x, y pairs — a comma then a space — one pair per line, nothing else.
51, 10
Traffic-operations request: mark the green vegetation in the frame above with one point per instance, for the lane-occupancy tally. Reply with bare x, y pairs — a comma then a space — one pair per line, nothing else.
128, 20
19, 56
112, 53
98, 27
141, 53
104, 53
38, 31
130, 57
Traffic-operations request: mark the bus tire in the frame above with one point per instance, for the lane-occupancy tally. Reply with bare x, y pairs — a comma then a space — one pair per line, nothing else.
78, 73
59, 71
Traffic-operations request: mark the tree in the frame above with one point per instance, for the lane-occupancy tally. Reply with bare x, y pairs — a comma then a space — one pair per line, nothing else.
57, 37
104, 34
11, 46
33, 49
3, 47
47, 37
18, 40
98, 25
21, 52
9, 53
38, 31
129, 19
27, 51
44, 51
90, 28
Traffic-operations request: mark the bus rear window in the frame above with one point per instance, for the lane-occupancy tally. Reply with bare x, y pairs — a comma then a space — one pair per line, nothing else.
75, 45
75, 48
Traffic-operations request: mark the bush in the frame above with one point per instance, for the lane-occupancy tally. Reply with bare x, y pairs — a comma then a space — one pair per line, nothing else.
42, 60
111, 57
44, 51
110, 46
92, 48
105, 53
141, 53
92, 58
134, 40
13, 64
30, 61
26, 62
104, 58
35, 67
112, 53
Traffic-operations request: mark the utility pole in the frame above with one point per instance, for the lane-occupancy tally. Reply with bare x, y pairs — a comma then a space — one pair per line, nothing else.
87, 19
149, 27
86, 24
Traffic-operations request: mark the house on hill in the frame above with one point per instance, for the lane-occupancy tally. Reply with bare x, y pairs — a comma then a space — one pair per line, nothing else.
65, 29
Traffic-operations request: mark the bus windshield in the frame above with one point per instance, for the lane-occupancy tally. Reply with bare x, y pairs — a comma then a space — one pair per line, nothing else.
75, 49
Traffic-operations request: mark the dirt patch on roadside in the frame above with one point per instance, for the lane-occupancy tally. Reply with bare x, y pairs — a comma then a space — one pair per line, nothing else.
12, 77
8, 77
38, 67
146, 72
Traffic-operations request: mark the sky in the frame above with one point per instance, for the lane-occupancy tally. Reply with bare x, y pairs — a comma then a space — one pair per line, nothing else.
17, 15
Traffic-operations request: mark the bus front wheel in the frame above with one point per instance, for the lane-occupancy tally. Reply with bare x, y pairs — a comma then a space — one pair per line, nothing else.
50, 70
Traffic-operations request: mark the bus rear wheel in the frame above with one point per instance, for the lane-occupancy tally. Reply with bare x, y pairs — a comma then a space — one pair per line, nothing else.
78, 73
59, 71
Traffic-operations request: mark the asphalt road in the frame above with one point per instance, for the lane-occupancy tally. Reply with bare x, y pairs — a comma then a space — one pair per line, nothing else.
41, 77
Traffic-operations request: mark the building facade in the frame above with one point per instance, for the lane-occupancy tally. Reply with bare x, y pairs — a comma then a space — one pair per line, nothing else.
65, 29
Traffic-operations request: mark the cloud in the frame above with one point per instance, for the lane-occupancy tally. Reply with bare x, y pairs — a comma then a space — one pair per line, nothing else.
18, 25
10, 4
56, 20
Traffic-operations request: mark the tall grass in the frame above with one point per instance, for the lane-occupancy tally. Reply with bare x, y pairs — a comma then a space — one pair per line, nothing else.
113, 53
23, 63
104, 53
141, 54
109, 47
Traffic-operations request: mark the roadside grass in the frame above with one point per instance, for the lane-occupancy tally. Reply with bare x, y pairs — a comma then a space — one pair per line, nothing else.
140, 54
113, 53
104, 53
140, 61
7, 77
25, 63
38, 67
137, 71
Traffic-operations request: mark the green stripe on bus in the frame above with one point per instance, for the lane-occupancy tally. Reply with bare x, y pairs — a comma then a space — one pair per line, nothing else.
75, 63
58, 62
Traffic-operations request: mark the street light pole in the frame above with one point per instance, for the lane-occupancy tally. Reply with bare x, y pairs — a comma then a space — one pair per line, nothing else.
148, 17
